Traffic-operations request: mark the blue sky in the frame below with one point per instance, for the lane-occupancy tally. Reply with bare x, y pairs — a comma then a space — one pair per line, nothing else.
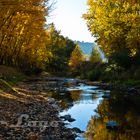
67, 17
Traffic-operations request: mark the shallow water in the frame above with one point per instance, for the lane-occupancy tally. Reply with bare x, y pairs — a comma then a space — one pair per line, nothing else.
83, 108
80, 102
85, 104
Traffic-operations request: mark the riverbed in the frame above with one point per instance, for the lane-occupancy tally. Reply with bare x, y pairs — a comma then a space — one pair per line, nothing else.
92, 108
86, 109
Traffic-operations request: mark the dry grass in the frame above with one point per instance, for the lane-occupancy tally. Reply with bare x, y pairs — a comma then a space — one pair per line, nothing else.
7, 71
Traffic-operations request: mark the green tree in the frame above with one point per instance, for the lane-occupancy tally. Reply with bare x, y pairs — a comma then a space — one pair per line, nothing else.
95, 56
60, 49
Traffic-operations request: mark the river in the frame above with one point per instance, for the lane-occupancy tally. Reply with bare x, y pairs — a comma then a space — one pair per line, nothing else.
91, 111
85, 100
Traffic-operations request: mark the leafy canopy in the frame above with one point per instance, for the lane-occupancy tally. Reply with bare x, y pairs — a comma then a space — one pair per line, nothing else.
115, 24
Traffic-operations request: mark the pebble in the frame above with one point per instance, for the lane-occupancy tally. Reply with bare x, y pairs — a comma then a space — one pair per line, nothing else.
39, 108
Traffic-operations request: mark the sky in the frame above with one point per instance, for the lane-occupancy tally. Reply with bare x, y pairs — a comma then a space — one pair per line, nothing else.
67, 17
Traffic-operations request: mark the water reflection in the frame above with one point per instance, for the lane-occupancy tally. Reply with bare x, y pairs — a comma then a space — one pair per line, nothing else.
121, 108
80, 102
92, 112
85, 101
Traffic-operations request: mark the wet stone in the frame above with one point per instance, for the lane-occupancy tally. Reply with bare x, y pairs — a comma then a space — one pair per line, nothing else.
68, 118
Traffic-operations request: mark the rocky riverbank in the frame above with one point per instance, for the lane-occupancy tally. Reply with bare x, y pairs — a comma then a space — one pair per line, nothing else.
28, 114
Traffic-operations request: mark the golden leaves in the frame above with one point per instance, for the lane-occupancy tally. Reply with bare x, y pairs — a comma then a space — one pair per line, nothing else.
23, 32
115, 24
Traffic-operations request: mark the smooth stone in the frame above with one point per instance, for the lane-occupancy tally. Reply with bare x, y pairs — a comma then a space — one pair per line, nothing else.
51, 100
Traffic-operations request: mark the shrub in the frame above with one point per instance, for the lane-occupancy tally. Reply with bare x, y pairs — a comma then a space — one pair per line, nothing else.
95, 74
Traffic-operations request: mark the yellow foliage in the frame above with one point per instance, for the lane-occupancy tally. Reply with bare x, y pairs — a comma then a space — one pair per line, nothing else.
115, 24
22, 32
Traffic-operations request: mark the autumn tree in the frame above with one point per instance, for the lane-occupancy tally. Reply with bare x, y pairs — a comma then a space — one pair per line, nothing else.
115, 25
76, 59
22, 33
119, 109
60, 49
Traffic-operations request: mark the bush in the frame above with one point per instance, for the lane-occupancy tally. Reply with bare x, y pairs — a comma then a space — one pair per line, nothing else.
122, 58
112, 72
94, 75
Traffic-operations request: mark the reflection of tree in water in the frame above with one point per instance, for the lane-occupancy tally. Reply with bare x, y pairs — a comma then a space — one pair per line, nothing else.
75, 95
119, 108
69, 99
66, 99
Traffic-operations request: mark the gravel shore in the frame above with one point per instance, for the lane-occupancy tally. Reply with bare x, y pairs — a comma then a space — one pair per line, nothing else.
31, 115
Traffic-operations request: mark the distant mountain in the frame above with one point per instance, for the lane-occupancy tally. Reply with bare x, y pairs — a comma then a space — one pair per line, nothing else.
86, 47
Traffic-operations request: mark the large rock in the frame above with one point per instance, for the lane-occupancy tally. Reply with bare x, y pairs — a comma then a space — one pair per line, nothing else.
67, 118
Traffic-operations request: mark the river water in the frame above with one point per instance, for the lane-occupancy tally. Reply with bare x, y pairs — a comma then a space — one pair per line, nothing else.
85, 102
91, 112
